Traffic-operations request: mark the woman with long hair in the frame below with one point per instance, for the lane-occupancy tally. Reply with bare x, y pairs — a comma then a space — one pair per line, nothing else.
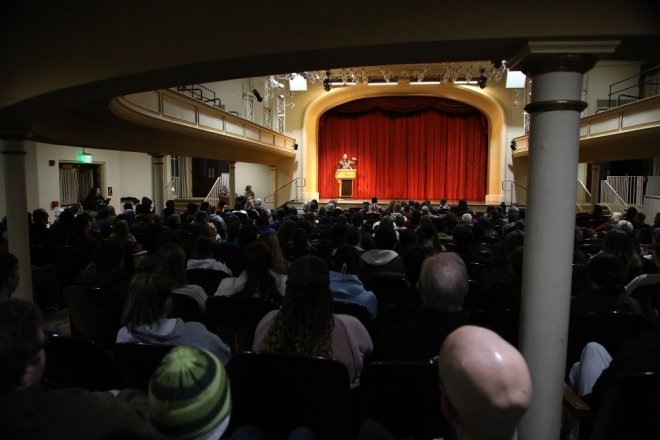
257, 278
145, 319
171, 264
620, 244
305, 325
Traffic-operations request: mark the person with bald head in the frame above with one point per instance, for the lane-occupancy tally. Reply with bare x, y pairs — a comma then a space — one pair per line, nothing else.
442, 286
485, 383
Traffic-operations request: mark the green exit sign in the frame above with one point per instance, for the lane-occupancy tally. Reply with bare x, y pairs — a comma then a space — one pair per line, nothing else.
84, 157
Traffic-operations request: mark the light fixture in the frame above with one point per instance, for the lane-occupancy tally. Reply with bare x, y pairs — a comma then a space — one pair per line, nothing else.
84, 157
513, 145
327, 83
424, 83
483, 79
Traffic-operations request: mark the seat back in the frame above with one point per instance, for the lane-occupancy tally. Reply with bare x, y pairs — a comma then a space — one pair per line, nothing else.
393, 314
94, 313
383, 282
235, 318
207, 279
137, 361
278, 392
504, 322
79, 362
609, 329
69, 261
186, 308
630, 409
404, 397
356, 310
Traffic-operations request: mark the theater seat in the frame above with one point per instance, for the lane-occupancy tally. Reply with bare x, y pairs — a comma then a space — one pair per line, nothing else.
404, 397
278, 392
137, 361
79, 362
94, 313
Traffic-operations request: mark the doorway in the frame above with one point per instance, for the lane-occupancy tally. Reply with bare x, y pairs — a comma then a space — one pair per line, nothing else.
78, 179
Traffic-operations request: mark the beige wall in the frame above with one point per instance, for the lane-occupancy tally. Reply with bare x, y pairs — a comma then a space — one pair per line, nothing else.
605, 73
129, 174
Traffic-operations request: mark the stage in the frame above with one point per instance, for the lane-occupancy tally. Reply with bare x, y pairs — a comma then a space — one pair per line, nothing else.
348, 203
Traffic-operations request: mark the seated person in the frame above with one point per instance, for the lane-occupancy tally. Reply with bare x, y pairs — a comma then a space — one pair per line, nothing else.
189, 396
442, 287
9, 276
171, 263
485, 383
106, 271
258, 278
202, 257
189, 399
145, 319
345, 284
29, 410
606, 291
383, 259
305, 324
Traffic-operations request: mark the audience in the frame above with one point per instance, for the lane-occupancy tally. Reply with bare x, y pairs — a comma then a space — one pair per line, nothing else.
442, 287
485, 383
144, 319
344, 282
257, 279
29, 410
106, 271
202, 257
9, 276
305, 324
171, 264
606, 291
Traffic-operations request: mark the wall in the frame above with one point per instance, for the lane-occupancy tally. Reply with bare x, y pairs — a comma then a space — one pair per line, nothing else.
605, 73
129, 174
257, 175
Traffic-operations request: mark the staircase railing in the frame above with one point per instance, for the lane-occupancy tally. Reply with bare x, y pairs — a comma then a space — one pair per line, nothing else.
300, 182
520, 193
219, 188
582, 198
610, 198
629, 188
173, 189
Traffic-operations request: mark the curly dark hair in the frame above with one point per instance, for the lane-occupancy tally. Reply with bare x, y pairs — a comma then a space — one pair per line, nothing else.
304, 324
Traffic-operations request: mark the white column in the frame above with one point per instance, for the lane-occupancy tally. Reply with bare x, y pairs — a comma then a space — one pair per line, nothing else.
13, 152
232, 184
550, 221
595, 184
158, 184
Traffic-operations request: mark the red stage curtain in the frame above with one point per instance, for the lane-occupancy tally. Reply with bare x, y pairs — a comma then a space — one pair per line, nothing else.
407, 148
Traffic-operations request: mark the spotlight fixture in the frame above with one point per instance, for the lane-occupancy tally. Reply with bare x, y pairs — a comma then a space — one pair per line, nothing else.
327, 83
513, 145
257, 95
483, 79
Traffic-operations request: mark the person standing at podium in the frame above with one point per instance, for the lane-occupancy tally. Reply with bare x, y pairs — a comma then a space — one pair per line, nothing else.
345, 163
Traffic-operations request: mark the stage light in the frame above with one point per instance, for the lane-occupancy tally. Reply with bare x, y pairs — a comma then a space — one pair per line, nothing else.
483, 79
257, 95
513, 145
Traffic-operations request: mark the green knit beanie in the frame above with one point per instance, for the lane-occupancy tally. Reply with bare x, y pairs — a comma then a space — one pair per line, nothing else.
189, 394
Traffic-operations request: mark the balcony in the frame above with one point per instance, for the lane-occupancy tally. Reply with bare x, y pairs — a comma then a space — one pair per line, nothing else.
630, 131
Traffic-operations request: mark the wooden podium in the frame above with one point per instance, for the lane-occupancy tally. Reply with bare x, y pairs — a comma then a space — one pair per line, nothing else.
345, 180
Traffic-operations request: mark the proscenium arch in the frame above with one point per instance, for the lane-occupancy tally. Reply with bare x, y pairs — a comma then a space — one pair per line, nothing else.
473, 96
